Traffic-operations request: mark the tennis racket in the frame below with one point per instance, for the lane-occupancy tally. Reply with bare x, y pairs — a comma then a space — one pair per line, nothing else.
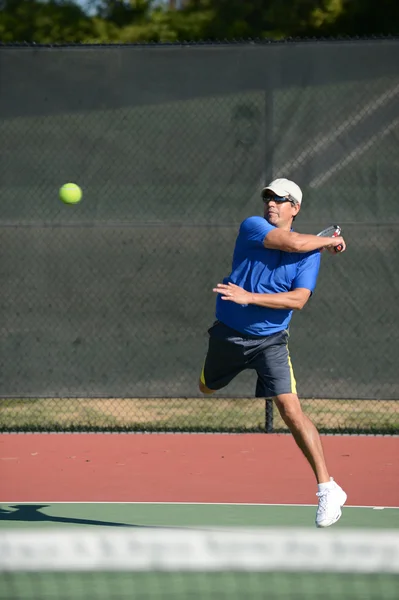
332, 231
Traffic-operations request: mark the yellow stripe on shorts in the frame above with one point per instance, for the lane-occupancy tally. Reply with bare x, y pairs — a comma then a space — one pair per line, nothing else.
202, 378
292, 376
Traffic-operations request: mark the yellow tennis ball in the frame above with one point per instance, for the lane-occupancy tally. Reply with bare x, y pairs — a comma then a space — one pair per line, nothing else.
70, 193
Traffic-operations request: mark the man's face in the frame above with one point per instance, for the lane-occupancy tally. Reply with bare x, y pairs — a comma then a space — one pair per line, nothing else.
278, 210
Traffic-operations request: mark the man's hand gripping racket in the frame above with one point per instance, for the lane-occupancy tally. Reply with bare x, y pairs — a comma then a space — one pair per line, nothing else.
332, 231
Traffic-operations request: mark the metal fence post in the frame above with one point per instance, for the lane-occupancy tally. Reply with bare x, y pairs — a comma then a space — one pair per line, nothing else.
269, 416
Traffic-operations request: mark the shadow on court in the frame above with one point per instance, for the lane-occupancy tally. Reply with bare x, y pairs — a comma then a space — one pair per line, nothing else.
32, 513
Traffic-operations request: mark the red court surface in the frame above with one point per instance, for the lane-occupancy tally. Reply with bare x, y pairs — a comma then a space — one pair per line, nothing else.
205, 468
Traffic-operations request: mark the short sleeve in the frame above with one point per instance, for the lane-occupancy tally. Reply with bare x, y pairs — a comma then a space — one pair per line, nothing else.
307, 272
254, 230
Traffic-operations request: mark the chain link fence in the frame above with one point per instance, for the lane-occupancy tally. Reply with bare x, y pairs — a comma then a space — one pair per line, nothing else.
105, 305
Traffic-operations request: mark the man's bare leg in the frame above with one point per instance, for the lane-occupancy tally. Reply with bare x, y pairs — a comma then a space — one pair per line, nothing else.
305, 434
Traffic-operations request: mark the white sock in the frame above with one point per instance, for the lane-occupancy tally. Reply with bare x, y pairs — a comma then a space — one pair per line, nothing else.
324, 486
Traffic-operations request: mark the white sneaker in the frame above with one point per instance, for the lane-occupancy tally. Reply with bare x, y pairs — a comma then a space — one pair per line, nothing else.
330, 502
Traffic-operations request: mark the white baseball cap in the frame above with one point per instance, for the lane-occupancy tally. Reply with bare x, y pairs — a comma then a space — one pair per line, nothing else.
284, 187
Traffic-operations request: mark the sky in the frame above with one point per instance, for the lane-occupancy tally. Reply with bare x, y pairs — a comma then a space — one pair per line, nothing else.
85, 3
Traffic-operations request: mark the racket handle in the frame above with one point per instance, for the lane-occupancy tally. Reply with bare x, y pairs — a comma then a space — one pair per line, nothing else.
340, 247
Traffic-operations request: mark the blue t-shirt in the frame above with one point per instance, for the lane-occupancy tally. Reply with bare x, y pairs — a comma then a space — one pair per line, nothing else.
261, 270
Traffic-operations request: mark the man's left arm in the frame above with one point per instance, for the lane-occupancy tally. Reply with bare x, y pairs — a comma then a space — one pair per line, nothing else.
293, 300
302, 288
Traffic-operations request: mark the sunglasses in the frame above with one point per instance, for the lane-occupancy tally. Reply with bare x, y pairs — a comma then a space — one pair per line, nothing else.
277, 199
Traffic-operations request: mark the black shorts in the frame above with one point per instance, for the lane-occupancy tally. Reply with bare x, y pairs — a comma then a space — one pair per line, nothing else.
230, 352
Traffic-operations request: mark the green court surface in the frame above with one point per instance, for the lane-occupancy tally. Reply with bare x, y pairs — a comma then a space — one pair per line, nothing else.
185, 515
204, 586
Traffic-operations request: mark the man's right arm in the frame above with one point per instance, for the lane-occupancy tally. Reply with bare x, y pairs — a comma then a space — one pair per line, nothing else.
290, 241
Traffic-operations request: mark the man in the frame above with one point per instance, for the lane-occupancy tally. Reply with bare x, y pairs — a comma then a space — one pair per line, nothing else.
274, 272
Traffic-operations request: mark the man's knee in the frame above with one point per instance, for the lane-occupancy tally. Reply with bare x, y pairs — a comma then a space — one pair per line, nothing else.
289, 407
204, 389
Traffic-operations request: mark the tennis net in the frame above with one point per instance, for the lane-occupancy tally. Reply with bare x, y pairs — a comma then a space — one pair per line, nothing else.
151, 563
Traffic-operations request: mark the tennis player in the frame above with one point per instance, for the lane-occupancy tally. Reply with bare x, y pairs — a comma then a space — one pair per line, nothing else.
274, 272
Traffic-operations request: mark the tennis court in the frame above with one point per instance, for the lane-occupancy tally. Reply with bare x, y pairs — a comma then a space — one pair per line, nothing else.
190, 480
146, 516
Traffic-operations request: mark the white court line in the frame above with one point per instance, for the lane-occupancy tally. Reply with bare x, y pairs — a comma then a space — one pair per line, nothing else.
8, 503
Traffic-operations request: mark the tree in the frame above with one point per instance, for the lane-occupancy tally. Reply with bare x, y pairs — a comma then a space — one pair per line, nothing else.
295, 18
50, 22
59, 21
266, 18
124, 12
367, 17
